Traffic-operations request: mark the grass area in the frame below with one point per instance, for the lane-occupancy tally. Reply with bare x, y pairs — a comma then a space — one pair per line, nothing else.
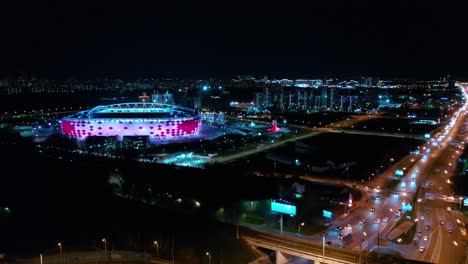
405, 218
309, 228
373, 257
394, 183
408, 237
250, 219
415, 196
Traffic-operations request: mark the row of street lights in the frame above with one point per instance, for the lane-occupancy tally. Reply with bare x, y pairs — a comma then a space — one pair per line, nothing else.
155, 243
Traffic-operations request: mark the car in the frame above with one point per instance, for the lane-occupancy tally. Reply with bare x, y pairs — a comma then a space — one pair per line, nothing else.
428, 227
376, 221
372, 209
439, 189
329, 243
415, 242
338, 228
449, 209
442, 222
377, 197
385, 219
362, 221
421, 249
450, 230
419, 233
422, 217
428, 212
425, 238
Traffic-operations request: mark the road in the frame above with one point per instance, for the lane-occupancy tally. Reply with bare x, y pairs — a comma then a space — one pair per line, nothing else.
371, 133
311, 132
298, 247
429, 164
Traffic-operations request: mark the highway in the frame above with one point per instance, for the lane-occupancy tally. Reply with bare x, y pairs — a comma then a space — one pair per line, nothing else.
310, 133
428, 165
371, 133
299, 247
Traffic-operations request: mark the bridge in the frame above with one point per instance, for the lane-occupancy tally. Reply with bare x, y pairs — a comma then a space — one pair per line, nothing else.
372, 133
284, 245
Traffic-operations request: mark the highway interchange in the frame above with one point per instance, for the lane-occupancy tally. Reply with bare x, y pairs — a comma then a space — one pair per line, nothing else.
431, 166
427, 172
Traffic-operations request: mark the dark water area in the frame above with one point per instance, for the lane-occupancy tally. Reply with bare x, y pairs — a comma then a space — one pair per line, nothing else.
69, 200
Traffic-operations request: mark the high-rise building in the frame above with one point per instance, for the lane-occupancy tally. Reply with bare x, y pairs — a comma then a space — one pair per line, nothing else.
323, 96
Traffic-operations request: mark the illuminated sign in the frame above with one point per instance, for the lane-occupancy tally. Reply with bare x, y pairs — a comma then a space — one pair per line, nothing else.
399, 173
406, 207
465, 202
327, 214
283, 208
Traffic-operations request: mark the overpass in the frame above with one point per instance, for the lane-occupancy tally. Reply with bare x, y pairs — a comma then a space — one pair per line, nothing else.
371, 133
226, 159
336, 181
284, 245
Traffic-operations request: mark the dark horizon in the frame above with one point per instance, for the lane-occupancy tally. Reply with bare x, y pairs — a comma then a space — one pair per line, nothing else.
202, 40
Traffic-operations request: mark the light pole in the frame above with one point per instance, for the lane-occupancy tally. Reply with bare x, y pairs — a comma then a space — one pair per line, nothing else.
60, 249
323, 246
360, 247
378, 240
156, 244
209, 257
344, 204
105, 246
281, 224
299, 229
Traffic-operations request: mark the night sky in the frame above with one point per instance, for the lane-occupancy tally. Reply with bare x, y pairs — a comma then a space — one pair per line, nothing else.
224, 38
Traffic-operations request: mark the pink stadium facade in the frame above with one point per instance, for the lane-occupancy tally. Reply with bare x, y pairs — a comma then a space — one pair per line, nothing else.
155, 120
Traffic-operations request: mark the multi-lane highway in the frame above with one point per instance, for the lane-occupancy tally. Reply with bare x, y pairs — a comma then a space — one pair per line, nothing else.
431, 167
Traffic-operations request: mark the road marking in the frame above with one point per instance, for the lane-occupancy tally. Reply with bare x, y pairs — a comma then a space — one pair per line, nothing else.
438, 247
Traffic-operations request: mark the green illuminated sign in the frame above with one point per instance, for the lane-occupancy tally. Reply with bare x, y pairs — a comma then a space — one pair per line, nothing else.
283, 208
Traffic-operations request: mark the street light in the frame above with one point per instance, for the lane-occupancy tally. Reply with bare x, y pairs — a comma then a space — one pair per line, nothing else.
60, 248
299, 229
323, 246
209, 257
378, 240
105, 245
156, 244
360, 247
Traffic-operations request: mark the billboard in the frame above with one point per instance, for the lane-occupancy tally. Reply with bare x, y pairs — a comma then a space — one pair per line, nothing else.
283, 208
465, 202
406, 207
327, 214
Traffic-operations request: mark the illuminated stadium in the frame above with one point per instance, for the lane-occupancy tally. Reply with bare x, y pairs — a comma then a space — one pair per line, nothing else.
162, 121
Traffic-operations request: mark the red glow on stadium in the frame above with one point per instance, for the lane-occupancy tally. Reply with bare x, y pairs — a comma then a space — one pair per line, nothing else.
133, 119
